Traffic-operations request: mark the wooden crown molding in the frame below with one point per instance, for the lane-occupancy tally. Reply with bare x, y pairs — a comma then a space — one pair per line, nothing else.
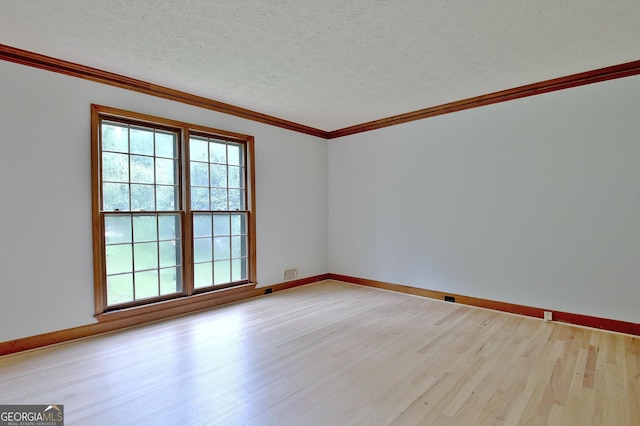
37, 60
574, 80
48, 63
558, 316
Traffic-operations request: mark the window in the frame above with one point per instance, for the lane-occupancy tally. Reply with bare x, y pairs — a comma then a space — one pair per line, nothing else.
173, 209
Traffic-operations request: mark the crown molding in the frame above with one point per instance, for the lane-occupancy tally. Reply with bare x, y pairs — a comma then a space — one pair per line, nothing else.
574, 80
37, 60
19, 56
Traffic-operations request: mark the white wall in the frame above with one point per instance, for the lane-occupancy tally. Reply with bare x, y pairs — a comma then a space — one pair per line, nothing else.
46, 267
534, 201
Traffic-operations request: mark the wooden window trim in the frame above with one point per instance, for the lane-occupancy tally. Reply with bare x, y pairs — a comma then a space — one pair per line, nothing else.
189, 296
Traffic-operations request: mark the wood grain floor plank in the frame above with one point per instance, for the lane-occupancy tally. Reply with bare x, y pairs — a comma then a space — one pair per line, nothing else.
333, 353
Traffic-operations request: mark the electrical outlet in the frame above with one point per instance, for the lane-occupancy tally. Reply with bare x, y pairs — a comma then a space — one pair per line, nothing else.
548, 316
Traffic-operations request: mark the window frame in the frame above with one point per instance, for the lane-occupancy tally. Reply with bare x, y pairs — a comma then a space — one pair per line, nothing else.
184, 131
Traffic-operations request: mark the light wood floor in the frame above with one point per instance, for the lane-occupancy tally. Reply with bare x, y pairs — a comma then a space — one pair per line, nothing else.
337, 354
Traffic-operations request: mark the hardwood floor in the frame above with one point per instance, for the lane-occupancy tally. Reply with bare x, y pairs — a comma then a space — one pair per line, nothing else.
335, 354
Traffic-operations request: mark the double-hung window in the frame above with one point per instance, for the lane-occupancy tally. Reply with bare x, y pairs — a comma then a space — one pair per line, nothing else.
173, 209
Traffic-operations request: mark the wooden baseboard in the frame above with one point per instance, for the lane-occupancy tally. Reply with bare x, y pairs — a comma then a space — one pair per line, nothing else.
119, 320
566, 317
236, 294
296, 283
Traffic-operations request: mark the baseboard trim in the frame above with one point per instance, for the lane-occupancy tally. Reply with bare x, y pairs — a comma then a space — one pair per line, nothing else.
235, 295
296, 283
564, 317
119, 322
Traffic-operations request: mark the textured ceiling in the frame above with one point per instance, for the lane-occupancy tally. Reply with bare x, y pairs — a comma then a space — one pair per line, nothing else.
330, 64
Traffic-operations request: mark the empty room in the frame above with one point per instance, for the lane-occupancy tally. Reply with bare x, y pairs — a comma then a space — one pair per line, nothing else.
319, 213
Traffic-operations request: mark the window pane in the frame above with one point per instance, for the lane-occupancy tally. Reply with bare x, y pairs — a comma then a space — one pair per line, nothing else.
202, 249
222, 272
169, 227
115, 137
235, 154
200, 198
221, 224
166, 171
170, 281
142, 197
166, 198
119, 289
145, 256
166, 144
115, 196
235, 177
118, 259
221, 248
218, 199
238, 269
146, 284
117, 229
238, 247
115, 167
142, 169
145, 228
198, 149
201, 225
218, 175
169, 253
238, 224
218, 152
203, 274
141, 140
236, 199
199, 174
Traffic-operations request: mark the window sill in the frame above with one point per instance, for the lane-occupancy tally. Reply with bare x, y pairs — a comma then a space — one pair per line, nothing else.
183, 305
